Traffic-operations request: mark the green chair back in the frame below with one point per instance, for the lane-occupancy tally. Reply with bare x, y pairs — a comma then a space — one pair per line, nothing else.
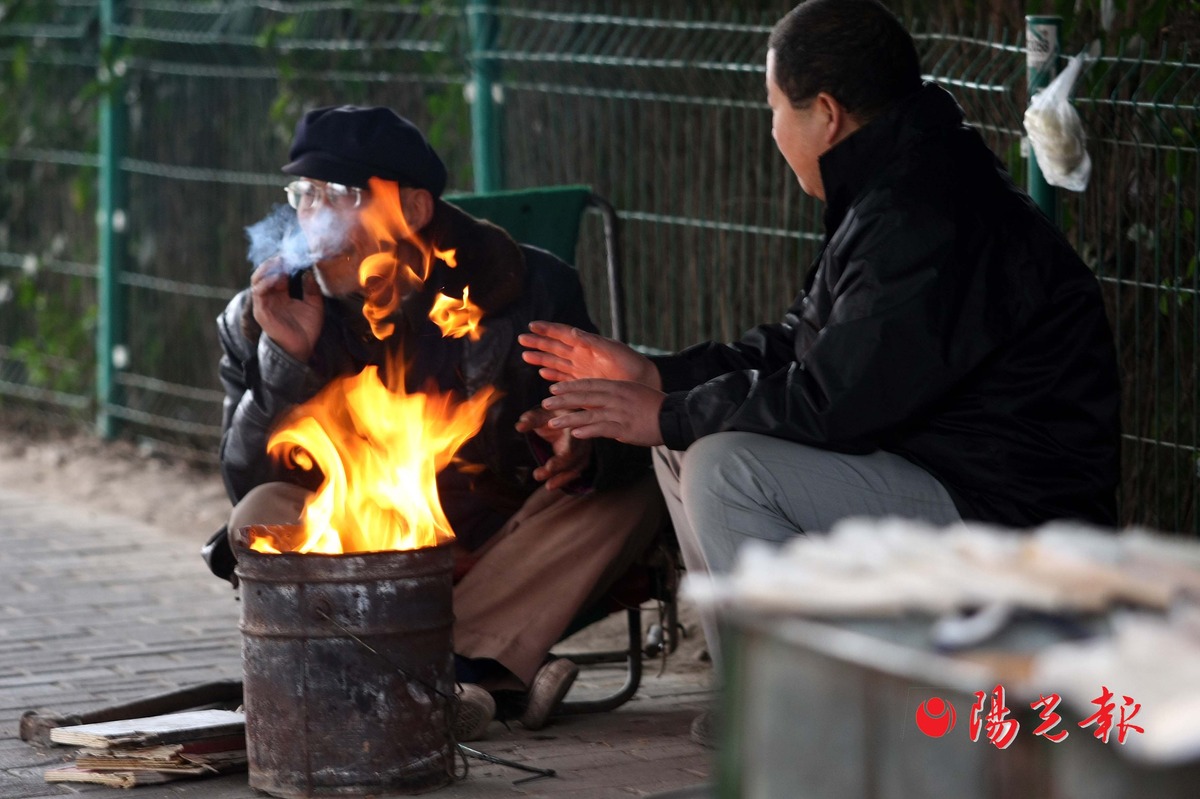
545, 217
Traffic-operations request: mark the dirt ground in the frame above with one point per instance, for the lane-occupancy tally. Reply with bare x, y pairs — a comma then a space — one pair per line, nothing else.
122, 479
111, 477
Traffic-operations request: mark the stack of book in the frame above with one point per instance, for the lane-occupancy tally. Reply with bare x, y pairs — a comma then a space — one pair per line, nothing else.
153, 750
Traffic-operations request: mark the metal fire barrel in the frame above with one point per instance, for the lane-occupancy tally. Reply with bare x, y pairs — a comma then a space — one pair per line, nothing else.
348, 671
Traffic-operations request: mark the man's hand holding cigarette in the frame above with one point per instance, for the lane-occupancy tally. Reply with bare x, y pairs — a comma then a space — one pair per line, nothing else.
293, 325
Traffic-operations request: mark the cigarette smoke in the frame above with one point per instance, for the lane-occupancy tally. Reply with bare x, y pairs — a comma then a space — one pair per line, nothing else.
279, 234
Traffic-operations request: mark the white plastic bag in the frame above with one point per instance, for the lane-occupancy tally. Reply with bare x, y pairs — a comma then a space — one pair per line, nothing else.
1056, 132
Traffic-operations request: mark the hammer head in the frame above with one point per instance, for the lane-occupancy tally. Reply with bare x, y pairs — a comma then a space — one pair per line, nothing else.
35, 727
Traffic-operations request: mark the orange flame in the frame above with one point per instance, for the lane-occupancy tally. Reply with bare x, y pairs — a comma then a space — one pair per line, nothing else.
379, 450
457, 318
385, 278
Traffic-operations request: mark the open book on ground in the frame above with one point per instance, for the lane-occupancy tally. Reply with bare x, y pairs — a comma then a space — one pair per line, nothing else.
153, 750
129, 775
115, 779
193, 725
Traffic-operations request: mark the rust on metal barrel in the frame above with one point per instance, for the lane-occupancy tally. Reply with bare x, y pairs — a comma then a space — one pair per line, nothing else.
348, 671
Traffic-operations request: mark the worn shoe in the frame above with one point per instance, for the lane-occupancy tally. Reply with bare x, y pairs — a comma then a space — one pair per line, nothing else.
546, 693
473, 712
704, 730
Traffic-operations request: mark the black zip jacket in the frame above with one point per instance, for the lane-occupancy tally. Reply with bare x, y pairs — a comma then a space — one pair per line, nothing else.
945, 319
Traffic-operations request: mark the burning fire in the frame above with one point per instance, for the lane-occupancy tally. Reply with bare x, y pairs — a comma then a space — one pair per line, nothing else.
387, 280
379, 447
457, 318
380, 450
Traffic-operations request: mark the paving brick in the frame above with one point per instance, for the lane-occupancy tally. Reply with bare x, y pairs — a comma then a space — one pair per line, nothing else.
173, 671
70, 676
648, 776
29, 757
660, 750
36, 660
230, 786
27, 631
24, 783
95, 648
58, 700
173, 644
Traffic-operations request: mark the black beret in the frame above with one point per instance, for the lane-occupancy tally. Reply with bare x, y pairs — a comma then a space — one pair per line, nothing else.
347, 144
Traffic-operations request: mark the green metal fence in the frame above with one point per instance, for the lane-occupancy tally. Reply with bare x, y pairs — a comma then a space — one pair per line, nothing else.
658, 105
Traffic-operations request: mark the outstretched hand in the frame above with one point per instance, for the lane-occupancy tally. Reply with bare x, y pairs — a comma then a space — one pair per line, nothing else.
568, 353
621, 409
571, 455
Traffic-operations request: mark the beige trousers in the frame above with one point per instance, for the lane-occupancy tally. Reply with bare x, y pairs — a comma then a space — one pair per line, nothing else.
555, 556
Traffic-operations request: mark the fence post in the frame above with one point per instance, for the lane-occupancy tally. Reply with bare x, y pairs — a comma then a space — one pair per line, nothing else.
1043, 43
111, 219
484, 94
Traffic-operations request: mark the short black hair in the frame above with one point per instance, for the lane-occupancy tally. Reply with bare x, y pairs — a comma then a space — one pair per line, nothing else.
855, 50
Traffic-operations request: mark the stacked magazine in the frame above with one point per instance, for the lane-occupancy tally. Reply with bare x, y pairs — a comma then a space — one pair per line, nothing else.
155, 749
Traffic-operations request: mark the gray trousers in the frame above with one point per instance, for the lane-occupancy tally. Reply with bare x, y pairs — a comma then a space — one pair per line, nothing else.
730, 487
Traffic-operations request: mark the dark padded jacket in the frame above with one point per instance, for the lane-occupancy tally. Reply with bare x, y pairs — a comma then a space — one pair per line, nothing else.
514, 285
945, 319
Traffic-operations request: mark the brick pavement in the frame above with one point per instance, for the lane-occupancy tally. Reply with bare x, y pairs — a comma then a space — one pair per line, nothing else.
101, 609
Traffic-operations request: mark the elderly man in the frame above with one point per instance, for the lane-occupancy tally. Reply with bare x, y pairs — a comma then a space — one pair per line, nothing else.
537, 554
948, 358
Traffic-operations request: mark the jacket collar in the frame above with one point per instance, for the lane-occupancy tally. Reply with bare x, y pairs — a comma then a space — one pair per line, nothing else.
851, 165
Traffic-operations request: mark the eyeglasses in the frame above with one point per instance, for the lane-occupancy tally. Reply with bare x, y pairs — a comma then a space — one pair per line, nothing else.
303, 194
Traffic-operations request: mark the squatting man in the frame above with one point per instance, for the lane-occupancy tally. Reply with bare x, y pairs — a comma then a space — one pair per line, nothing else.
948, 357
